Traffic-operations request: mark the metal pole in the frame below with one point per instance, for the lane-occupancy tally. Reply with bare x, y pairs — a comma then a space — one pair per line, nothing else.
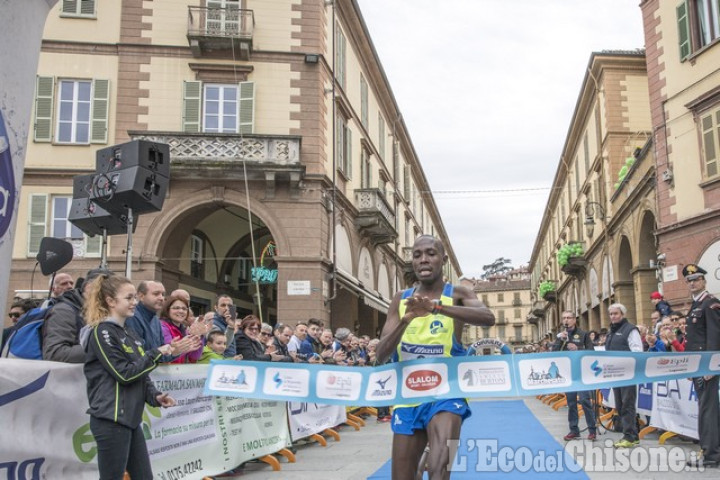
103, 251
128, 250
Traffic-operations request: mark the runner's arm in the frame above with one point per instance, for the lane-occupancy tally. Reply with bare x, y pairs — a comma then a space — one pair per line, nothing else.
468, 309
392, 331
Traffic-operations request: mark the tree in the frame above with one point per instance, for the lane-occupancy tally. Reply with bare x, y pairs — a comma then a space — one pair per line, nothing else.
498, 267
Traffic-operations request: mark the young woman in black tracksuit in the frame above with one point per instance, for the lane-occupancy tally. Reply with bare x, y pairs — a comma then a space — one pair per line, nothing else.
118, 383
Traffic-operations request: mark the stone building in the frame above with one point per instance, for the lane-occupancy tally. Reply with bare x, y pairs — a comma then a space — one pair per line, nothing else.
294, 184
683, 52
602, 198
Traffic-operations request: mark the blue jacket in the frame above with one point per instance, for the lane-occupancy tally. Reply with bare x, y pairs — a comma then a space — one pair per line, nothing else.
221, 325
146, 324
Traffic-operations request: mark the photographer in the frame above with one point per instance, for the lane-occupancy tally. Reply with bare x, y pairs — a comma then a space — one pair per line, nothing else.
573, 339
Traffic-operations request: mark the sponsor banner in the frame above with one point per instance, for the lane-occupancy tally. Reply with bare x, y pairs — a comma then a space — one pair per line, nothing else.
306, 419
675, 407
202, 436
432, 378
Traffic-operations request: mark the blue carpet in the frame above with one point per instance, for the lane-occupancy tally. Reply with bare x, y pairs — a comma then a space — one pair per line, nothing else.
533, 453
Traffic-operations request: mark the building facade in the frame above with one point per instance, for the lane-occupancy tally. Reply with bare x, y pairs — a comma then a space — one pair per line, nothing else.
596, 242
683, 52
508, 295
294, 185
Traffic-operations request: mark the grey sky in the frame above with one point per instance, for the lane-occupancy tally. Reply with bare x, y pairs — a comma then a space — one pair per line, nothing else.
487, 89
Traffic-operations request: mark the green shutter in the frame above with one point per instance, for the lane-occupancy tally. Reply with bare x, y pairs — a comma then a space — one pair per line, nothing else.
101, 100
683, 30
348, 152
192, 99
247, 107
364, 101
363, 171
44, 89
37, 221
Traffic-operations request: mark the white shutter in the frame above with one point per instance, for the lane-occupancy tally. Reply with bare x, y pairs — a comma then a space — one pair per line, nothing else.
192, 99
70, 6
247, 107
93, 245
348, 152
37, 222
44, 89
87, 7
99, 120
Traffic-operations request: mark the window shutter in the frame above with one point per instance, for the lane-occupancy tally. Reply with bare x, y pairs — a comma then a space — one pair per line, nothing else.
348, 152
381, 136
93, 245
44, 89
101, 100
247, 107
37, 222
70, 6
192, 92
364, 101
87, 7
683, 30
339, 144
364, 183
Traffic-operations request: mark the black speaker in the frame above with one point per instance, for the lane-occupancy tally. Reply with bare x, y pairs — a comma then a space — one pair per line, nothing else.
138, 188
82, 185
91, 218
138, 153
54, 254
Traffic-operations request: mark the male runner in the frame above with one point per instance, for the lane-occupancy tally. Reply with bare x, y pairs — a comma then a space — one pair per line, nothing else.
430, 314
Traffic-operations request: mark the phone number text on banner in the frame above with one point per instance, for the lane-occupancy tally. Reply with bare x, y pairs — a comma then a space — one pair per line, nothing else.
431, 379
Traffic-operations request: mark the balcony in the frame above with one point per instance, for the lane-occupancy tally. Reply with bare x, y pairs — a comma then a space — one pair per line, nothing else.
220, 30
375, 219
575, 267
230, 156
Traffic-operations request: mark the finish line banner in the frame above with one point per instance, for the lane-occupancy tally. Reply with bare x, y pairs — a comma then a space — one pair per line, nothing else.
430, 379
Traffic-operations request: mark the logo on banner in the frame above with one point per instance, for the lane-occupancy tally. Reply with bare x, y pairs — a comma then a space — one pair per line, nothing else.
382, 385
236, 378
427, 379
411, 351
662, 365
286, 382
338, 385
7, 180
484, 377
603, 369
541, 372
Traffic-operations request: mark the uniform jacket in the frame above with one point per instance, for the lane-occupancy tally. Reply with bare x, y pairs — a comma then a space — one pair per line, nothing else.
702, 332
117, 370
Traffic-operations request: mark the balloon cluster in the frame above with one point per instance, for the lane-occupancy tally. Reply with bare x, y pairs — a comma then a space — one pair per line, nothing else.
567, 251
545, 287
629, 162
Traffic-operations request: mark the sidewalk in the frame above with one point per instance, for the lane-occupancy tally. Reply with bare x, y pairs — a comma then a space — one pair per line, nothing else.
360, 453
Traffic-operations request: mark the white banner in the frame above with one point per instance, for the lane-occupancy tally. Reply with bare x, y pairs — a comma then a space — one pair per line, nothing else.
45, 403
675, 407
306, 419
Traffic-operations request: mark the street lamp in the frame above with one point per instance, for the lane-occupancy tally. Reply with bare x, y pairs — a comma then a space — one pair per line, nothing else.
590, 208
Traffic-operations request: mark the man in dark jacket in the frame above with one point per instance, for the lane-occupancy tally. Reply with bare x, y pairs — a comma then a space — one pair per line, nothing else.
61, 330
573, 339
281, 340
224, 322
702, 335
624, 336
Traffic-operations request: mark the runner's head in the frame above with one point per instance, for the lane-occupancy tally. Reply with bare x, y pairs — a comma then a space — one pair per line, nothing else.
428, 258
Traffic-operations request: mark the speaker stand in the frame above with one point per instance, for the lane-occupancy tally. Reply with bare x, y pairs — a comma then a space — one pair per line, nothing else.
103, 250
128, 250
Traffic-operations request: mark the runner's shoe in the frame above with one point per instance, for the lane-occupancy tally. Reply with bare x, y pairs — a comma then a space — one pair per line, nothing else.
625, 443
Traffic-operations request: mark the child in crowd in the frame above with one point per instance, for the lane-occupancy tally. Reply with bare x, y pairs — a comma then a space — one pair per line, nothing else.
215, 347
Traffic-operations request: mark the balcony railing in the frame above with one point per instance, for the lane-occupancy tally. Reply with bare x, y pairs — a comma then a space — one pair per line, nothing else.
214, 28
375, 218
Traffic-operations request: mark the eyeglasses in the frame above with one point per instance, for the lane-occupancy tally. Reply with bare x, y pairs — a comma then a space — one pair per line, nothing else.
14, 314
264, 334
182, 309
254, 329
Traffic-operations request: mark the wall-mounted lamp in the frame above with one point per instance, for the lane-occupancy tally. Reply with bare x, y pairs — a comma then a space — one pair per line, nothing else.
312, 58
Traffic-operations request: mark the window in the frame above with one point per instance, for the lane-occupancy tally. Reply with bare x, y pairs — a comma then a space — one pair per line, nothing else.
396, 162
78, 8
197, 248
501, 297
58, 208
222, 17
406, 182
364, 102
698, 25
586, 154
340, 56
501, 316
501, 332
381, 136
81, 111
518, 334
485, 299
710, 125
343, 147
218, 108
517, 313
366, 172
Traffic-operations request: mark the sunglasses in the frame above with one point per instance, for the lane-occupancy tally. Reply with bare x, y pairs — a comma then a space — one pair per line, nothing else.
14, 315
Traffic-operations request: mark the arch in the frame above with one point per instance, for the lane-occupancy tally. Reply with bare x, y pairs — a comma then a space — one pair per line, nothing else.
647, 245
709, 260
608, 278
625, 261
583, 296
365, 270
594, 287
343, 250
197, 206
383, 281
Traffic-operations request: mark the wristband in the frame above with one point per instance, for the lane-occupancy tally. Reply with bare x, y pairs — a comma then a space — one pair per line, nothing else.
437, 307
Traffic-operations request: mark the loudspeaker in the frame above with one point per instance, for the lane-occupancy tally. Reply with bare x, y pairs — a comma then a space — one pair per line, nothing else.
138, 188
91, 218
138, 153
82, 185
54, 254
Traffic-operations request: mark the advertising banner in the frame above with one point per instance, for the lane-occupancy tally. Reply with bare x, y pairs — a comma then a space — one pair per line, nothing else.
675, 407
429, 379
306, 419
201, 436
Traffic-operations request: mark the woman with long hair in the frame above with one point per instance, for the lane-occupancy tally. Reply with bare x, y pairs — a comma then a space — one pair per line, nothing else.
173, 318
118, 382
248, 342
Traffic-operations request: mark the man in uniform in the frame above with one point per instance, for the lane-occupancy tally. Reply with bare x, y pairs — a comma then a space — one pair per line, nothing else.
573, 339
703, 334
428, 317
